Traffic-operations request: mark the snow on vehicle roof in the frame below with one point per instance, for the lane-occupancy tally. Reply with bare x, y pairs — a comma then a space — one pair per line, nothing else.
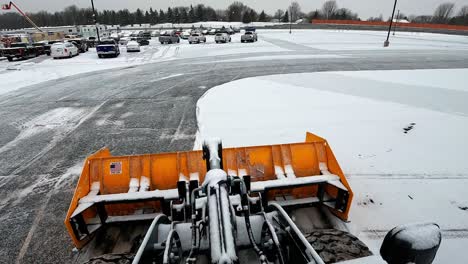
107, 42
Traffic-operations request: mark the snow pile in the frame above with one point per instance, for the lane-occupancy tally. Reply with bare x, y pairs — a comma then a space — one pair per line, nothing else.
144, 184
365, 120
335, 40
205, 24
399, 136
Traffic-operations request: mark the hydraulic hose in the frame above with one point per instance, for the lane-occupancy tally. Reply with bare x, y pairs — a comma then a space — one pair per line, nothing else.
245, 207
193, 248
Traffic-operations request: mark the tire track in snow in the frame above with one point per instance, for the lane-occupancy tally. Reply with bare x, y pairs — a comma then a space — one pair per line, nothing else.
41, 211
57, 139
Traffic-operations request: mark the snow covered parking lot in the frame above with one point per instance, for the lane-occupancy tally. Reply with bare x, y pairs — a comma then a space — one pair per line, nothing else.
272, 44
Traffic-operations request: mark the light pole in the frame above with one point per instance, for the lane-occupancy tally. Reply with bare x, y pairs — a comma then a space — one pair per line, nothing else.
290, 20
387, 42
95, 21
396, 22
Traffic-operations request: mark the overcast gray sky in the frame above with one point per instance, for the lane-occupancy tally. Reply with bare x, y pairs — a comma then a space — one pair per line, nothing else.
365, 8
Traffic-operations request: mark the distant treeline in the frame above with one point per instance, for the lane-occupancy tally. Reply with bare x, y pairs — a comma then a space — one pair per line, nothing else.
237, 11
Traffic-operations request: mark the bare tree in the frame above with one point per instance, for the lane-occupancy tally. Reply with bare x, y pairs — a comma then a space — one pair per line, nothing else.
279, 14
443, 12
329, 8
463, 11
295, 11
235, 11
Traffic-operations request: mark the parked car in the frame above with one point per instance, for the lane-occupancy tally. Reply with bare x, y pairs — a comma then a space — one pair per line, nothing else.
63, 50
19, 51
124, 41
146, 35
212, 31
185, 35
143, 41
205, 31
108, 47
169, 37
91, 42
230, 31
222, 37
49, 45
81, 44
251, 29
196, 38
249, 36
133, 46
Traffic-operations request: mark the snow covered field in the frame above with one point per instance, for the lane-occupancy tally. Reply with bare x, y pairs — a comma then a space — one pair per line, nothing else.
276, 43
400, 137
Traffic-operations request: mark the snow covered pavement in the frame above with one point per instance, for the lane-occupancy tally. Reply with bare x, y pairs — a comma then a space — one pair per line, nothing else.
400, 137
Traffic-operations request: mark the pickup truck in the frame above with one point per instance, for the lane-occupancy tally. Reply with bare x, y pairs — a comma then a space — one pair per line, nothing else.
107, 48
20, 51
249, 36
222, 37
169, 37
81, 44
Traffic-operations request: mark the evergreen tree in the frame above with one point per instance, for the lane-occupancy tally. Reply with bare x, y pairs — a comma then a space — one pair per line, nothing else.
253, 15
162, 17
262, 17
138, 16
170, 15
191, 15
147, 17
184, 15
200, 13
246, 18
285, 17
176, 16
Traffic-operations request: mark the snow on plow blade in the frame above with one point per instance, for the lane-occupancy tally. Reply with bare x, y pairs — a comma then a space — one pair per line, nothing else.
134, 188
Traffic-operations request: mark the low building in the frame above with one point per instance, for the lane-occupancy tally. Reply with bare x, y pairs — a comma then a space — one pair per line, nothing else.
89, 31
41, 36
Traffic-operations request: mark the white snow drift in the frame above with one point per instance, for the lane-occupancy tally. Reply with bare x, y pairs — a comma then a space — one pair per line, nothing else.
406, 159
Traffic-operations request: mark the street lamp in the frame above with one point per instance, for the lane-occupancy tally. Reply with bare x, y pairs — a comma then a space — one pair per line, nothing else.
387, 42
290, 20
396, 22
95, 21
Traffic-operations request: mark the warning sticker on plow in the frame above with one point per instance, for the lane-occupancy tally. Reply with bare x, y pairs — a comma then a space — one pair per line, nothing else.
116, 168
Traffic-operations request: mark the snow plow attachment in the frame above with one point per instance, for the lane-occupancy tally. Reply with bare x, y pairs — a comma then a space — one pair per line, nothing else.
142, 187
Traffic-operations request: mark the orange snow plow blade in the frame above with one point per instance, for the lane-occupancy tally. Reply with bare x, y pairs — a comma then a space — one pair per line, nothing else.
133, 188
